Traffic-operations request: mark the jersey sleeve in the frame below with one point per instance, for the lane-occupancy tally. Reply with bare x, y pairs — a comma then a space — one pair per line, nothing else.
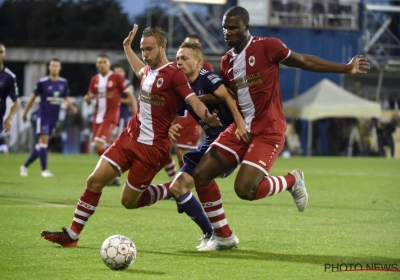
38, 88
276, 50
214, 81
67, 90
181, 85
13, 89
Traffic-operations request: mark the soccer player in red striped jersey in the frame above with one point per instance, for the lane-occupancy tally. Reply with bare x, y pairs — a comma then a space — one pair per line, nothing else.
142, 148
105, 87
251, 69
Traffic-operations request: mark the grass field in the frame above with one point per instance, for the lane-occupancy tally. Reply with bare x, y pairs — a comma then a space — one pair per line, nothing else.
353, 217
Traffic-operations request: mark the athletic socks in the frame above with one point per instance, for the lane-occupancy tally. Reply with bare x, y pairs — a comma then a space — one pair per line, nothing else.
170, 168
211, 201
271, 185
188, 203
84, 210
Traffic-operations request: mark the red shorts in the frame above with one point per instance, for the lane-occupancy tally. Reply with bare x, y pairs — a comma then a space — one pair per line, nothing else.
190, 134
102, 131
260, 153
143, 161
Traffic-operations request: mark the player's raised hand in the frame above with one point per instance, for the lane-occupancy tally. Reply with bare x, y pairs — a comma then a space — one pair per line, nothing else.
360, 65
173, 131
212, 119
241, 132
128, 40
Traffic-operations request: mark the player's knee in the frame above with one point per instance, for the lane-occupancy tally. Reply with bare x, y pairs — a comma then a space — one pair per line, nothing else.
93, 184
200, 179
128, 204
244, 191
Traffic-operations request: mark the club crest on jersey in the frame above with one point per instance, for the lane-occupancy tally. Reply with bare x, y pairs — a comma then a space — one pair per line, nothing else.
160, 81
110, 84
252, 60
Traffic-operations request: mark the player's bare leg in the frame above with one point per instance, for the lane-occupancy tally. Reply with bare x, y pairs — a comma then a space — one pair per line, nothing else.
102, 174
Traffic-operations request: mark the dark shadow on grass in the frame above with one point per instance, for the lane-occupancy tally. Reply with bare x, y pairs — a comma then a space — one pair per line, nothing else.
143, 272
240, 254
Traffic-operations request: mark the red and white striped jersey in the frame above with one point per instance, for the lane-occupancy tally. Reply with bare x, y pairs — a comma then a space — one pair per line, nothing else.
161, 91
107, 91
253, 76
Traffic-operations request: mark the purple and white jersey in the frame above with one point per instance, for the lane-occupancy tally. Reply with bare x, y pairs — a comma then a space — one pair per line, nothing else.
209, 82
8, 87
52, 94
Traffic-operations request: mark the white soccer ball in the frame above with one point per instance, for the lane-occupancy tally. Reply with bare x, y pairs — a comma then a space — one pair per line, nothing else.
118, 252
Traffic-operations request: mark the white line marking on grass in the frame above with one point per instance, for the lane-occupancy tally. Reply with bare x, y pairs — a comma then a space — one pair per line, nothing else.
36, 203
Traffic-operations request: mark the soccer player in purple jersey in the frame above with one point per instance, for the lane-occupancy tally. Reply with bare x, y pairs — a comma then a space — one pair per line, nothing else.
53, 91
8, 87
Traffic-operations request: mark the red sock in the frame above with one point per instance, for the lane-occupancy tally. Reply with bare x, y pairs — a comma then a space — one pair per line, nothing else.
211, 200
170, 168
154, 193
271, 185
84, 210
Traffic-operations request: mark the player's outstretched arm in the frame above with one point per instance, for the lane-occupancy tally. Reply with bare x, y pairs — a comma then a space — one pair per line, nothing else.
133, 59
241, 132
357, 65
8, 120
201, 110
71, 107
28, 106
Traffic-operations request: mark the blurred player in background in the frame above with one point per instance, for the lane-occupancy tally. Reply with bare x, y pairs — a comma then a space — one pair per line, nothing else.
53, 91
128, 109
251, 67
105, 87
144, 145
8, 88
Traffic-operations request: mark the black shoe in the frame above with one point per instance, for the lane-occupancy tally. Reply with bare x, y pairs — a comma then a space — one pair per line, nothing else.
115, 183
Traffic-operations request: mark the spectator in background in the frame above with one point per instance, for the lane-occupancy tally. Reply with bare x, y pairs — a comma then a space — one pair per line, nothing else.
394, 102
385, 134
293, 141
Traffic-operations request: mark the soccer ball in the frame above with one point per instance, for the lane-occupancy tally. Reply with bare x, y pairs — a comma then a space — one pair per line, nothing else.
118, 252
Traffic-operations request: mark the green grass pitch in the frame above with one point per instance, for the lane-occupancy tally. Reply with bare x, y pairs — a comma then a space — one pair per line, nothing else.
352, 217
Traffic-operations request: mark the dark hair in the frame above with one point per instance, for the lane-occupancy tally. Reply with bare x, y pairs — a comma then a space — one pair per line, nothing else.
103, 56
157, 33
240, 12
55, 59
118, 66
